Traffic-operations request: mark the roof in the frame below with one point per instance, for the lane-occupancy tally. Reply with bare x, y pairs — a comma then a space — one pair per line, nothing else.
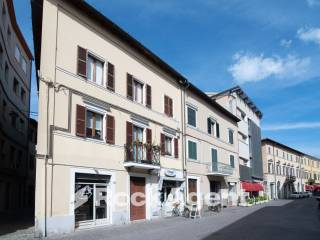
115, 30
17, 30
268, 140
243, 96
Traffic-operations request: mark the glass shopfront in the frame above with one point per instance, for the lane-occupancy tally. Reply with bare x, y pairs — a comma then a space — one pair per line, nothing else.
91, 199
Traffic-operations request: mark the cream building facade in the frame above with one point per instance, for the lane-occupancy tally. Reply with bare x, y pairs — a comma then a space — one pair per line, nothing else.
112, 124
287, 170
212, 150
238, 103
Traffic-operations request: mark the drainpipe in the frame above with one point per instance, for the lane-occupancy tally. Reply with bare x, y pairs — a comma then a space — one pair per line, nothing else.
275, 174
184, 149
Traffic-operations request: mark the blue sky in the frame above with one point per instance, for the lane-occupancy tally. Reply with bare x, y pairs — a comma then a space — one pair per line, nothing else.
270, 48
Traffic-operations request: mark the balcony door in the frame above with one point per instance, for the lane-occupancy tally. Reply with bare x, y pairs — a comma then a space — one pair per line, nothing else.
137, 143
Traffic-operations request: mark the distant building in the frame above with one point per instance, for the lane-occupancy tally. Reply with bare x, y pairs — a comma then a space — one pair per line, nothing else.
249, 135
287, 170
15, 77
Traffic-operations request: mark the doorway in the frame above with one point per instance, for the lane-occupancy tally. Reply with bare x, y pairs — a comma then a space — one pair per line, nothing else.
192, 190
138, 209
91, 205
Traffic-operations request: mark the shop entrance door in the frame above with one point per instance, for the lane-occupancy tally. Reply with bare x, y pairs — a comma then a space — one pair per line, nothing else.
91, 205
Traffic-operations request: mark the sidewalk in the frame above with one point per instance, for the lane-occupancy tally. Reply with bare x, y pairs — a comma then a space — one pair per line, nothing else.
171, 228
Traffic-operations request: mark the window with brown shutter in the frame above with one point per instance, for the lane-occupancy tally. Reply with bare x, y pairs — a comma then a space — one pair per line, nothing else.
148, 96
110, 77
168, 106
82, 62
162, 144
176, 148
110, 126
129, 140
149, 142
81, 121
129, 87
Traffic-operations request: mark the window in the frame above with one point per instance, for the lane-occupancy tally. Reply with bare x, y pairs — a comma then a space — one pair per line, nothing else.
14, 120
211, 126
232, 161
192, 116
21, 125
168, 145
6, 73
95, 70
137, 91
230, 136
12, 155
4, 109
31, 162
15, 86
270, 167
24, 64
277, 152
2, 150
19, 159
9, 35
94, 125
168, 106
269, 150
17, 54
1, 56
23, 95
192, 150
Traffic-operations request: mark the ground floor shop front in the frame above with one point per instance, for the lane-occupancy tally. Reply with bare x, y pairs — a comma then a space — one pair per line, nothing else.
78, 198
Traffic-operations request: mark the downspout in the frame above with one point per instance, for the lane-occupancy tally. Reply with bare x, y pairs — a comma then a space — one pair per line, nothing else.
184, 149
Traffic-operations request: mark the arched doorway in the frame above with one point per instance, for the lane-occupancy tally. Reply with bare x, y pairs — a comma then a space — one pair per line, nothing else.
278, 190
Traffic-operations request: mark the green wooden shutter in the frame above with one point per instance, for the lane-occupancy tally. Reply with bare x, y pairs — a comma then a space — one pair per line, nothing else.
214, 158
232, 161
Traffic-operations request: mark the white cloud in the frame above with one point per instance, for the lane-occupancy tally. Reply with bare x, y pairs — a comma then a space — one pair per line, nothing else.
251, 68
291, 126
285, 43
313, 3
309, 35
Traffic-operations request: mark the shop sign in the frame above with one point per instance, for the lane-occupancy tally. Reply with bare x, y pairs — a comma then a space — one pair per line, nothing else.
170, 173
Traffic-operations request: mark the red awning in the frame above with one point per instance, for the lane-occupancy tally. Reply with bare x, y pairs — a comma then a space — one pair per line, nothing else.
252, 187
316, 187
309, 187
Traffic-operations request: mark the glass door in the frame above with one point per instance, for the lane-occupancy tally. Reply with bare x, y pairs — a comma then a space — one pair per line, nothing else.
137, 143
91, 204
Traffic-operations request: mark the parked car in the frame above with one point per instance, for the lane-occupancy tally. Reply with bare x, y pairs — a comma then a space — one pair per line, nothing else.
295, 195
304, 194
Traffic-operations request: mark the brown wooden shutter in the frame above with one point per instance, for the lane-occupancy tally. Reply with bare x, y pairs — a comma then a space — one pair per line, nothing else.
148, 96
81, 121
110, 128
149, 142
82, 62
166, 105
176, 148
162, 144
129, 87
110, 77
129, 141
170, 107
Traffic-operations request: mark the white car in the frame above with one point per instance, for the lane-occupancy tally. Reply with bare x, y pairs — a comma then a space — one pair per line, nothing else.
295, 195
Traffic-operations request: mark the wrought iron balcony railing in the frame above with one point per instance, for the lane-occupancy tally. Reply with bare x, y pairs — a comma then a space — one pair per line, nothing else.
142, 153
220, 169
291, 178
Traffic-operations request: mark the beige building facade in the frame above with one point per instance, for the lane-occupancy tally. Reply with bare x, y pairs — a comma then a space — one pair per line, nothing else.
287, 170
116, 121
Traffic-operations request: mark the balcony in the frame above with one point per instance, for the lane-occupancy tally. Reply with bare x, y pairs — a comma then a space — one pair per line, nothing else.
220, 169
142, 156
290, 179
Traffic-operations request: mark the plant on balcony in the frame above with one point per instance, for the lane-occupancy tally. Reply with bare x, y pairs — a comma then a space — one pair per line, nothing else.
144, 151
